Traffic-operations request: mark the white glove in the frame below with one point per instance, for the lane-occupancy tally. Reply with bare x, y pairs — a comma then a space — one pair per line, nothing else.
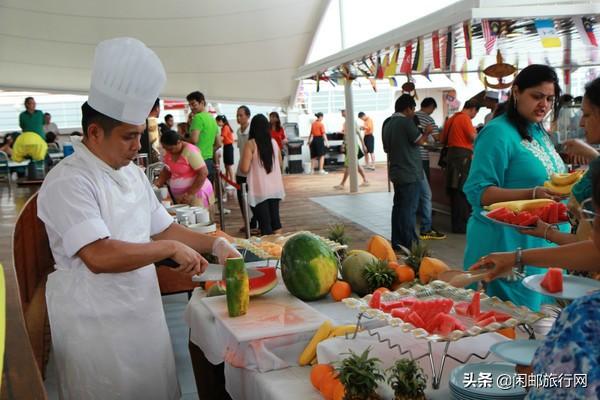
223, 250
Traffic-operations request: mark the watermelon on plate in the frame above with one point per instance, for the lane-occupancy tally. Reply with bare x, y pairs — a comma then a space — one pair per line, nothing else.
461, 308
375, 301
401, 312
448, 324
500, 316
415, 319
486, 321
553, 280
308, 267
434, 323
474, 308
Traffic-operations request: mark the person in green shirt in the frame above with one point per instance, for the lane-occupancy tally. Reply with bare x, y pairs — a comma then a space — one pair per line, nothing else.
32, 120
203, 131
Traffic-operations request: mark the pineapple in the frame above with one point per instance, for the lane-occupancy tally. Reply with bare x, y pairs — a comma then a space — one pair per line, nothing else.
337, 233
359, 374
379, 274
407, 379
418, 250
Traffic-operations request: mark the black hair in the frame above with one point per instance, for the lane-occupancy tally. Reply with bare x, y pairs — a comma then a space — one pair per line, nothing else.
361, 114
565, 99
170, 138
404, 102
50, 137
76, 133
223, 119
428, 102
6, 137
278, 122
319, 115
500, 109
90, 116
47, 114
245, 109
198, 96
531, 76
168, 116
592, 92
27, 99
469, 104
260, 132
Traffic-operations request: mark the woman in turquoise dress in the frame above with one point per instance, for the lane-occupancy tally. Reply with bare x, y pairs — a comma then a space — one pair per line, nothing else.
513, 157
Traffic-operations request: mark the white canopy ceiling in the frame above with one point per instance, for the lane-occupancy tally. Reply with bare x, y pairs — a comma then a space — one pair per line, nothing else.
232, 50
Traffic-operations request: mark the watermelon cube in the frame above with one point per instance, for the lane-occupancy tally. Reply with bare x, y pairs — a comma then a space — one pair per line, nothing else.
553, 280
474, 308
375, 301
401, 312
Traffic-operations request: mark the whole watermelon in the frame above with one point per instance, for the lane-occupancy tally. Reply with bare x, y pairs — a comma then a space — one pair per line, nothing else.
308, 266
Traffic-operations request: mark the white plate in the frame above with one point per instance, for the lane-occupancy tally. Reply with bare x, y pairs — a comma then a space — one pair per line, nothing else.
573, 286
485, 213
517, 351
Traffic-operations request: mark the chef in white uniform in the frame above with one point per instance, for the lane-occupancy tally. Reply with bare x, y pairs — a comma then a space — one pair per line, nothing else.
106, 229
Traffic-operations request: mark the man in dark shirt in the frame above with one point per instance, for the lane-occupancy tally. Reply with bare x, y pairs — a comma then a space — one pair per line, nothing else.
401, 141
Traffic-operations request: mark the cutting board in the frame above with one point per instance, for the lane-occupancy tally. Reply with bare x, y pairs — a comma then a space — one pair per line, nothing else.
274, 314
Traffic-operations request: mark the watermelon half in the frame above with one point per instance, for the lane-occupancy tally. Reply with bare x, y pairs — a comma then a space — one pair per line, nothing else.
264, 283
553, 280
308, 267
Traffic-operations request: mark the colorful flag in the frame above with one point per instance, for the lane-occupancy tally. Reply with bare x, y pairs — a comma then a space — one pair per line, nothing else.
464, 74
318, 78
425, 72
390, 70
407, 60
373, 84
547, 32
435, 47
418, 62
449, 47
393, 81
379, 69
468, 38
585, 29
489, 36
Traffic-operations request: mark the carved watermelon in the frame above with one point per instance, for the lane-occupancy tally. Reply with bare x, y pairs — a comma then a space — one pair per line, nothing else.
553, 280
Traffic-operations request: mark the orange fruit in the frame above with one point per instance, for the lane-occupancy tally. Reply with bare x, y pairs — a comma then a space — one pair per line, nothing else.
508, 332
339, 391
404, 273
340, 290
328, 386
382, 290
318, 372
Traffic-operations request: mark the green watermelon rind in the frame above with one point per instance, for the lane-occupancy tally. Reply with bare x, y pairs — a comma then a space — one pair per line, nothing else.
308, 267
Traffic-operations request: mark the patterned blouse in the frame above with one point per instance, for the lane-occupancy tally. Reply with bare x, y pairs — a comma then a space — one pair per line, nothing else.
572, 349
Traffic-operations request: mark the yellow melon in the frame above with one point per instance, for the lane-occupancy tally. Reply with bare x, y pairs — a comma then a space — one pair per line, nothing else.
381, 248
430, 269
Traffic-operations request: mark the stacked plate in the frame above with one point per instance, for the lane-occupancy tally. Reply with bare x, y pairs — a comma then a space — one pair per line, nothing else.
485, 381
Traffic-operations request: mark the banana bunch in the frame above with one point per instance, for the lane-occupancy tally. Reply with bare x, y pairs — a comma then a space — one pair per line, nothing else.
325, 331
563, 183
520, 205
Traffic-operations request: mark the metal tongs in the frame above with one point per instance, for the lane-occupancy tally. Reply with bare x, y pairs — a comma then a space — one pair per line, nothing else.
461, 279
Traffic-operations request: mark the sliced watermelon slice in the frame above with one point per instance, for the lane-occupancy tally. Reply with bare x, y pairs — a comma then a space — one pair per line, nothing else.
401, 312
486, 321
553, 213
388, 306
485, 315
375, 301
461, 308
500, 316
434, 323
474, 308
553, 280
415, 319
448, 324
499, 213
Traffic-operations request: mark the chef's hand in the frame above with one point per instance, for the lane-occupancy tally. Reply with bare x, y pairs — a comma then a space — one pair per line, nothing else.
545, 193
502, 264
223, 250
578, 148
189, 260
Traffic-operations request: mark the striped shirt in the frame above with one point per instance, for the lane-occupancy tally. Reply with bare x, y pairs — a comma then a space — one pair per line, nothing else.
425, 120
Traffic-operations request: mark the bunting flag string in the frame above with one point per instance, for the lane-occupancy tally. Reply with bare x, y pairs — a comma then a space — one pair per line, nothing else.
489, 36
585, 29
547, 32
379, 69
407, 60
390, 70
425, 72
435, 46
468, 38
449, 47
418, 62
393, 81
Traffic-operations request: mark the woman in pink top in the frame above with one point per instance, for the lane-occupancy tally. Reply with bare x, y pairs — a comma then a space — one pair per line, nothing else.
261, 161
185, 171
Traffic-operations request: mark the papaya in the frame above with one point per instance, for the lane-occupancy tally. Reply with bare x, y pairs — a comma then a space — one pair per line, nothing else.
238, 287
520, 205
430, 268
381, 248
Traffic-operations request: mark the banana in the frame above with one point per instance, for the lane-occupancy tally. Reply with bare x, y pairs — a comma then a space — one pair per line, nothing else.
566, 179
520, 205
342, 330
310, 351
314, 361
564, 189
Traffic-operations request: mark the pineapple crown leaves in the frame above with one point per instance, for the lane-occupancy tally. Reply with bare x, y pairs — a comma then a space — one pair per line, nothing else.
337, 233
379, 274
407, 378
359, 374
418, 251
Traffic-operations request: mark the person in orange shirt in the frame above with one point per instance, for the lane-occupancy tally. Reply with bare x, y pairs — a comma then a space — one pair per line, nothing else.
228, 139
317, 141
369, 140
458, 135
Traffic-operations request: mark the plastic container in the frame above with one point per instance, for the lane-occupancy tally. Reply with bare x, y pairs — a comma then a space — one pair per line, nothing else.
307, 167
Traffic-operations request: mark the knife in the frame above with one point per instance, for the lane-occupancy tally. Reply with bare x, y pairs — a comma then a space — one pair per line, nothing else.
214, 272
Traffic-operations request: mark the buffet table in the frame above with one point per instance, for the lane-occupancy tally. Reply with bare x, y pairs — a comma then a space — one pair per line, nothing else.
266, 368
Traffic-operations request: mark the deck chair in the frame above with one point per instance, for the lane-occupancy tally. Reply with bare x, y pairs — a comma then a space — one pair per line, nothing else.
33, 261
4, 168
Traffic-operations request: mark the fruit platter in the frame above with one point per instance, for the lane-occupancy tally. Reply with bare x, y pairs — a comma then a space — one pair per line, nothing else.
439, 312
525, 214
270, 247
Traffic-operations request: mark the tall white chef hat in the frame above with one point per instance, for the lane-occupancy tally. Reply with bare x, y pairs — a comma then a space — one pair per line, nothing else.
127, 77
